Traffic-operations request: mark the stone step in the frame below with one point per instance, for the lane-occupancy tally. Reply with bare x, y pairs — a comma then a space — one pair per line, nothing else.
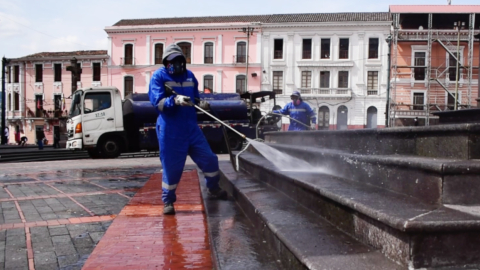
460, 141
300, 238
431, 180
407, 230
233, 239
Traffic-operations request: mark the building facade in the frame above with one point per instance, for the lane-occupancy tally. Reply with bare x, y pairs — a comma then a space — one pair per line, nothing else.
220, 51
426, 43
338, 61
38, 88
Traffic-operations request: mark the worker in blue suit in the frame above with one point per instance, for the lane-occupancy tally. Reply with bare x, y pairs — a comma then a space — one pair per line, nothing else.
177, 129
300, 111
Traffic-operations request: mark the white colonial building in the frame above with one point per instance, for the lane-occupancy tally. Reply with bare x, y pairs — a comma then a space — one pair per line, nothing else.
338, 61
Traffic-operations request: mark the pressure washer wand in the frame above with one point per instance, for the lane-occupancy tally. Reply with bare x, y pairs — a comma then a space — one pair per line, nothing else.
209, 114
198, 107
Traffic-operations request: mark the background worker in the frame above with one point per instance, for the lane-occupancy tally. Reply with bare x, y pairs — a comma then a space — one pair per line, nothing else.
177, 129
299, 110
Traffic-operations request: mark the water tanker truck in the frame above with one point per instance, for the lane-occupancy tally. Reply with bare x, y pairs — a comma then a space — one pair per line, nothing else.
106, 126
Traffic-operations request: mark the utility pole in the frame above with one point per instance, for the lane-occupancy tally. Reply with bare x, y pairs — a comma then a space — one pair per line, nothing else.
477, 36
387, 111
76, 71
459, 25
4, 63
249, 31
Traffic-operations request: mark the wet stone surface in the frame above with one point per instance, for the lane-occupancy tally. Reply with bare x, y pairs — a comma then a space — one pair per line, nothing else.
54, 220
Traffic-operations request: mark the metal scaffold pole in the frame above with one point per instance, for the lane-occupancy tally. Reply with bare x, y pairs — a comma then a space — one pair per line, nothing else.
429, 69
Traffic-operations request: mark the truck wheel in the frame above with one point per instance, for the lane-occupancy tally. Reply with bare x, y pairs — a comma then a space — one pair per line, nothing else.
109, 148
93, 153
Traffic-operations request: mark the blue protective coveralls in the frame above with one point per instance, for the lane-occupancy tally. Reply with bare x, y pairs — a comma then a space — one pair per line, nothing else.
178, 132
302, 112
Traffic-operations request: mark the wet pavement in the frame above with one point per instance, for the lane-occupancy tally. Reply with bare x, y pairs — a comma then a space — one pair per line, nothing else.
54, 214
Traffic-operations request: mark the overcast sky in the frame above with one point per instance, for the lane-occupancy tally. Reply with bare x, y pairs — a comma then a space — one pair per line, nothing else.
32, 26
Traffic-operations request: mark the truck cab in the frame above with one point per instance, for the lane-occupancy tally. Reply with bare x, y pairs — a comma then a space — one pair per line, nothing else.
96, 122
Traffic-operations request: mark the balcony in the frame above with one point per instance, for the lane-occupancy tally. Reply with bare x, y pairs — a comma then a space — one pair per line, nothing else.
240, 59
127, 61
422, 35
326, 92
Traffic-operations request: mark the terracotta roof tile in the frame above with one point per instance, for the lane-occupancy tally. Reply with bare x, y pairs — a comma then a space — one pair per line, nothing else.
274, 18
61, 54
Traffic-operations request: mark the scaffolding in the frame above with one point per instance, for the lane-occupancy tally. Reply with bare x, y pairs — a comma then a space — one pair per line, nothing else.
437, 70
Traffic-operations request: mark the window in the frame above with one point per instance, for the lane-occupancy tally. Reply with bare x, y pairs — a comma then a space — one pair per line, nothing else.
96, 102
240, 84
343, 79
57, 102
208, 84
419, 69
372, 83
324, 79
372, 48
128, 54
307, 48
38, 106
325, 48
208, 53
16, 74
278, 82
79, 75
241, 52
16, 101
128, 84
343, 52
187, 51
278, 49
306, 79
452, 67
38, 73
158, 53
418, 99
57, 69
96, 72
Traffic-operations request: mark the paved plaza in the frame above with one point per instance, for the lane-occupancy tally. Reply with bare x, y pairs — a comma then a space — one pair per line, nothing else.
55, 214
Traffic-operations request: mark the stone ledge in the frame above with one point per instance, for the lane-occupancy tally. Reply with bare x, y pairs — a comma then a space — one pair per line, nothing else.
430, 180
407, 230
461, 141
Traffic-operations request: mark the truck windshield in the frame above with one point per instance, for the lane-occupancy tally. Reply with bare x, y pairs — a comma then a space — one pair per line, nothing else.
76, 107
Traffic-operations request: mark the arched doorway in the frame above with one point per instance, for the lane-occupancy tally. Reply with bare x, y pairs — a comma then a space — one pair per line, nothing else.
342, 118
323, 118
372, 117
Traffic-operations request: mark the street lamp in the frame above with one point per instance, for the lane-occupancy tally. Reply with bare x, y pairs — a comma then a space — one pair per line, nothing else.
458, 26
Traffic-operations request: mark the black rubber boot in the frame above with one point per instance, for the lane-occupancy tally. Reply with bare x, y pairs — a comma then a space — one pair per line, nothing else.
168, 209
217, 194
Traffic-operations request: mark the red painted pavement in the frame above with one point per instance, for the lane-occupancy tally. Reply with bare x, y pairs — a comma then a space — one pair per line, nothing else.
141, 237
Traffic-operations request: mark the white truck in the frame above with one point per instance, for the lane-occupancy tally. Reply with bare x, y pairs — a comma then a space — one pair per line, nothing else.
106, 126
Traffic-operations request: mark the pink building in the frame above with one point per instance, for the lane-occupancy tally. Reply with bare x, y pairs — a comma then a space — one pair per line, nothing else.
38, 88
219, 52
